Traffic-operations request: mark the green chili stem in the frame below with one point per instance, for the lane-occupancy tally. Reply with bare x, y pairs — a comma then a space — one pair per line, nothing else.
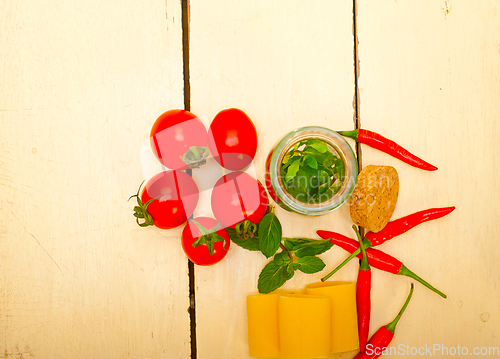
367, 244
405, 271
353, 254
351, 134
392, 325
364, 262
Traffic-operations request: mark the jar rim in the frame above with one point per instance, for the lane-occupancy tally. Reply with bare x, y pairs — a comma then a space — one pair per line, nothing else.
343, 149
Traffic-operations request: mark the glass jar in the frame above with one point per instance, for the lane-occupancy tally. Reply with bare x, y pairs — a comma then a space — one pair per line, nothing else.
336, 145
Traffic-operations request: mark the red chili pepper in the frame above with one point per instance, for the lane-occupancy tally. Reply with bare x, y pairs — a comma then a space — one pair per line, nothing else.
376, 258
394, 229
404, 224
383, 336
363, 292
390, 147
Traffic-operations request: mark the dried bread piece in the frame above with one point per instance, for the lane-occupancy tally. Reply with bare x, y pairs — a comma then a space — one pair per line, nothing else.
374, 197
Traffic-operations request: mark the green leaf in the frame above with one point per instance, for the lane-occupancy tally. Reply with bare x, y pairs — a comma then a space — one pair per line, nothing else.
303, 247
251, 244
281, 258
286, 158
269, 234
320, 157
292, 244
340, 168
292, 170
288, 243
311, 161
310, 264
272, 277
290, 271
313, 249
319, 146
328, 162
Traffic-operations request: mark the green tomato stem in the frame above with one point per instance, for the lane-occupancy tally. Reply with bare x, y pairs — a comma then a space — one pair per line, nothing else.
195, 156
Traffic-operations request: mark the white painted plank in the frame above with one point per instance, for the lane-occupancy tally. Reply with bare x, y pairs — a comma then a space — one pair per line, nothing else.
80, 86
287, 64
430, 79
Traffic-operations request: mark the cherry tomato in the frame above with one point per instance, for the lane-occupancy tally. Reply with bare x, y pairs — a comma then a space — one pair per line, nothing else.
197, 245
178, 133
237, 197
168, 200
232, 139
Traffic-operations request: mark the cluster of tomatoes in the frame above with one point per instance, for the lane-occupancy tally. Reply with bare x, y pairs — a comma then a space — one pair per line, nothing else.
181, 142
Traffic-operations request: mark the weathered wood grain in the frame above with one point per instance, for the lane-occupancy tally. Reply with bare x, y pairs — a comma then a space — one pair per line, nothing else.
287, 64
81, 85
430, 79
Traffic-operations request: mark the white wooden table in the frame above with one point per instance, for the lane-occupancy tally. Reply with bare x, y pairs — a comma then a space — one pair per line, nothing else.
81, 84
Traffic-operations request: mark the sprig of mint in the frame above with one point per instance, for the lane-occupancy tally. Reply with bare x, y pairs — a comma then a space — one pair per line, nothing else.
296, 253
283, 267
311, 172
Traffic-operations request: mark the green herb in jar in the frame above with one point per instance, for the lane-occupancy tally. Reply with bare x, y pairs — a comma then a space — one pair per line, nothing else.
312, 172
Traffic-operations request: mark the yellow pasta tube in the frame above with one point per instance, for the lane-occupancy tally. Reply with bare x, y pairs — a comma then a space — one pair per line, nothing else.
343, 314
263, 333
304, 326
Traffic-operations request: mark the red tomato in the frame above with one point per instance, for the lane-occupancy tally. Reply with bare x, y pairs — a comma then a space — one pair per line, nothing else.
200, 254
175, 197
232, 139
236, 197
173, 134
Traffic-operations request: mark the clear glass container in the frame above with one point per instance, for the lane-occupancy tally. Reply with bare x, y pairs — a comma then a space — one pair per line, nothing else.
337, 145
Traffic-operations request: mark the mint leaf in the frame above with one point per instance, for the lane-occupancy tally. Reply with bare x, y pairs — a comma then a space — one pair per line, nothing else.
310, 264
339, 167
329, 162
269, 234
272, 277
281, 258
311, 161
292, 244
288, 243
319, 146
313, 249
303, 247
292, 170
251, 244
290, 271
286, 158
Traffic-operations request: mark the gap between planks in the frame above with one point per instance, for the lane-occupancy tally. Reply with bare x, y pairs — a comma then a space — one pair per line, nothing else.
187, 107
